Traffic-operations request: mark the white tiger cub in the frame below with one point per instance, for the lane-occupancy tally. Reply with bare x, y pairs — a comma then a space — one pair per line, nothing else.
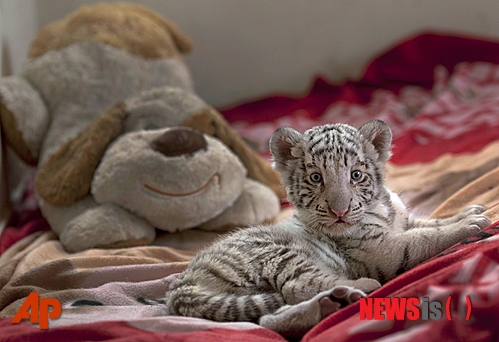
348, 234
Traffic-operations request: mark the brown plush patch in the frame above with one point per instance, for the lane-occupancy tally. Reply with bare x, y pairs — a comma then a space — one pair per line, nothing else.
211, 122
67, 175
14, 137
131, 27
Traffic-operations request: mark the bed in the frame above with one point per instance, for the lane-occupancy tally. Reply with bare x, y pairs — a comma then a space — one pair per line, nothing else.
440, 95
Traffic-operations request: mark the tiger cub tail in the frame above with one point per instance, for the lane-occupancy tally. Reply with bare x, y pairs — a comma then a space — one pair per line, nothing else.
195, 301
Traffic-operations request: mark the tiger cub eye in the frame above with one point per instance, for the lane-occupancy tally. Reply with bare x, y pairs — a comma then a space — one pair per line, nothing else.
315, 177
356, 175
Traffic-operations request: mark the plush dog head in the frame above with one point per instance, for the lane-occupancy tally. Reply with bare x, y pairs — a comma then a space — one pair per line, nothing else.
175, 178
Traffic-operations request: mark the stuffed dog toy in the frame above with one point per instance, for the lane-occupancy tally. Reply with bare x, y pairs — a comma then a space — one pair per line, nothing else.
105, 107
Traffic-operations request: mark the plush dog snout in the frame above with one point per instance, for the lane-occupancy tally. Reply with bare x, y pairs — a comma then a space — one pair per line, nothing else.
179, 141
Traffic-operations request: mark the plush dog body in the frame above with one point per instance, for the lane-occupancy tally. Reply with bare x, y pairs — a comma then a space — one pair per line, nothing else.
98, 108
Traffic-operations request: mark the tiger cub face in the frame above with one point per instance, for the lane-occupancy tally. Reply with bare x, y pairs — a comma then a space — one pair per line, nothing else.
334, 173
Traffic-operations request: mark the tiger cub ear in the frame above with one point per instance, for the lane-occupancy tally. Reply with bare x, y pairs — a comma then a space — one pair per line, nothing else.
380, 136
285, 147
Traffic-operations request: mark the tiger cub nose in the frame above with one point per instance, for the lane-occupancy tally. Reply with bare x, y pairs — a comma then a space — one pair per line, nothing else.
340, 213
179, 141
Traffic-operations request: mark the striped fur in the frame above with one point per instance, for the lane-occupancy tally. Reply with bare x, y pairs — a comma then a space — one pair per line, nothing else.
348, 229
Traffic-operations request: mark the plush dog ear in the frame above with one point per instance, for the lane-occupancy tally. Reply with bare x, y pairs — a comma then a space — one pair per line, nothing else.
67, 175
211, 122
182, 41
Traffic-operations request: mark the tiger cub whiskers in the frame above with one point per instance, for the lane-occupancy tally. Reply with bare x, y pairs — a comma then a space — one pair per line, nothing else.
348, 234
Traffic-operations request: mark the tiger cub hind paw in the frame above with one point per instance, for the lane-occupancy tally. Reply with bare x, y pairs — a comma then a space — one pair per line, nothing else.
366, 285
293, 321
339, 297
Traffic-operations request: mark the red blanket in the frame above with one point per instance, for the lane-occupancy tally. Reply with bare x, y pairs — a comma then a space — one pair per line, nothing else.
410, 73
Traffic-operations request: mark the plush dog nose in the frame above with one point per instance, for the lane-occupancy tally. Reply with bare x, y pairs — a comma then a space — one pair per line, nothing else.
179, 141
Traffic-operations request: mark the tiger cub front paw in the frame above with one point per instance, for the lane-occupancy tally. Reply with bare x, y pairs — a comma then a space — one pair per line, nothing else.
472, 218
474, 209
475, 222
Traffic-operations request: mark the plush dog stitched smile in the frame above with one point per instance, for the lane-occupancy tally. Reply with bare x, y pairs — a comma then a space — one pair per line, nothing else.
216, 177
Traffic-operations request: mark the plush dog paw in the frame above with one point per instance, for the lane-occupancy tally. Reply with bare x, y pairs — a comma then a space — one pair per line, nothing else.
105, 226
